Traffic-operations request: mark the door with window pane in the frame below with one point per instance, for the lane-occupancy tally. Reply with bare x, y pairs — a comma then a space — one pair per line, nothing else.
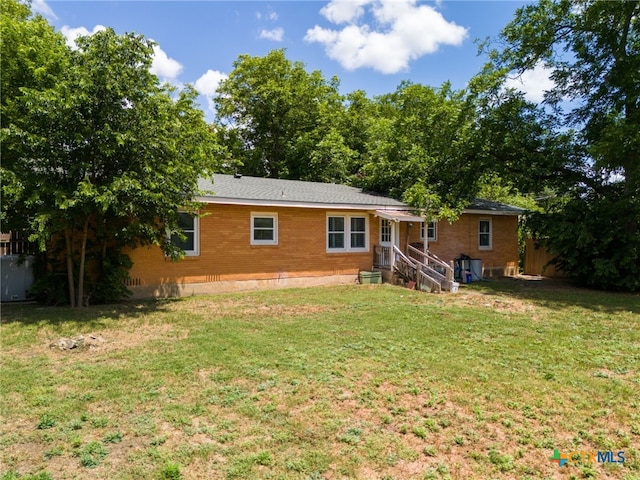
385, 232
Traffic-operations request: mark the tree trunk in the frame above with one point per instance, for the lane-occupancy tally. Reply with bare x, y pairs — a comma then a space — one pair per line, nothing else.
68, 239
83, 251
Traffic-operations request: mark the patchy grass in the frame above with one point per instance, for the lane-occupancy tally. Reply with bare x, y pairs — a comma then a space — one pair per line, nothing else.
355, 381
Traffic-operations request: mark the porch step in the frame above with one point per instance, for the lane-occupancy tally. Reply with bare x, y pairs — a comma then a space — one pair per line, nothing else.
423, 272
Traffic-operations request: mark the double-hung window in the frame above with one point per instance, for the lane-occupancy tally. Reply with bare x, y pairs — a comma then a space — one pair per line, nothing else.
264, 229
347, 233
335, 233
432, 231
358, 233
484, 234
189, 224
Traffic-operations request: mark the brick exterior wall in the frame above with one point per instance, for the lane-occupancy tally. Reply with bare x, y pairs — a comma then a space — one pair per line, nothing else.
462, 237
226, 253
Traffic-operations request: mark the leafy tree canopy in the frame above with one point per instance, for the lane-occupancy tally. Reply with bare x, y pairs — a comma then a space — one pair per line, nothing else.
281, 120
102, 156
418, 148
592, 50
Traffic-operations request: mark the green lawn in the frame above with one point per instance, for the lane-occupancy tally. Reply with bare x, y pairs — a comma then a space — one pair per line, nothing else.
341, 382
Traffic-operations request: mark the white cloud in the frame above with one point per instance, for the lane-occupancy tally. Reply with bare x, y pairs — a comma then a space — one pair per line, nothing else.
276, 34
164, 67
403, 31
41, 7
344, 11
207, 85
533, 83
71, 34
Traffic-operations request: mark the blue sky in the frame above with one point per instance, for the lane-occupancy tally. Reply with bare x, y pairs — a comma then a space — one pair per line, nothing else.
370, 45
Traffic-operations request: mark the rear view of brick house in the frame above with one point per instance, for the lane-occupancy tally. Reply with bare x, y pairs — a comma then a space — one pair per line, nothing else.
260, 233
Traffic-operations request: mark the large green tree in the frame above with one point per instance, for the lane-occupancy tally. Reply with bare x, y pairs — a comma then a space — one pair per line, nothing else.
32, 56
103, 157
592, 49
417, 148
282, 121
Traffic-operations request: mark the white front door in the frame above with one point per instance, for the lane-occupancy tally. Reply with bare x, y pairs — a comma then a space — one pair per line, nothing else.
385, 232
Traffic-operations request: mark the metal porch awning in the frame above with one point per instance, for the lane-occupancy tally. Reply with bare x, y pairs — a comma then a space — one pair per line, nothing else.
399, 216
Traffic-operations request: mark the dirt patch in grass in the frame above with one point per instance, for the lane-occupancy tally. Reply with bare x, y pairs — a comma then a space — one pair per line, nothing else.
218, 308
99, 341
501, 304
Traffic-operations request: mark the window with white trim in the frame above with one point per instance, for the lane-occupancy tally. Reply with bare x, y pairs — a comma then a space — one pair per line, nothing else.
335, 233
264, 229
432, 231
485, 240
189, 224
347, 233
358, 232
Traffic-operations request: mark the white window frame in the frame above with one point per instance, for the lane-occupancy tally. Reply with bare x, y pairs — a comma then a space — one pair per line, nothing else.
489, 233
347, 233
271, 215
433, 238
196, 235
343, 232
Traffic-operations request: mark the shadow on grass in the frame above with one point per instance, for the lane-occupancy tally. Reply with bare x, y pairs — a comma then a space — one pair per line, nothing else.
560, 293
92, 316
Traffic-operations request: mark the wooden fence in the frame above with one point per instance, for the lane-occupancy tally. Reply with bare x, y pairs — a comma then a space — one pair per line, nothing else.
15, 243
536, 261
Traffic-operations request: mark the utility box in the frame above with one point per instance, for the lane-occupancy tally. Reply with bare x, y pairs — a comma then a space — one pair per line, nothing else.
370, 277
475, 265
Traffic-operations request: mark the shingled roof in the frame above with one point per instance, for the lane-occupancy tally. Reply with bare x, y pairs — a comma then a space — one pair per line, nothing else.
487, 206
243, 190
273, 191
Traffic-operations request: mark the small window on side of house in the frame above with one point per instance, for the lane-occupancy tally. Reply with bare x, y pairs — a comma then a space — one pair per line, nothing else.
264, 229
485, 240
189, 224
432, 231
